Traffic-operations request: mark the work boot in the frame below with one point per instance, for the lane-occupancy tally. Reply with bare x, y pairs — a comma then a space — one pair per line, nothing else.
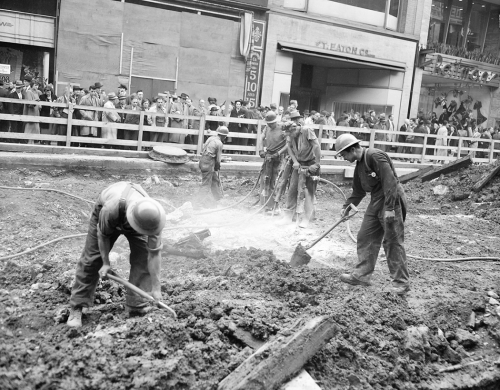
400, 290
348, 278
75, 317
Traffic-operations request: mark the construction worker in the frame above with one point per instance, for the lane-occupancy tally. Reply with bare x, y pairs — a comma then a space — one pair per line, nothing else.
305, 149
209, 164
383, 222
122, 208
274, 147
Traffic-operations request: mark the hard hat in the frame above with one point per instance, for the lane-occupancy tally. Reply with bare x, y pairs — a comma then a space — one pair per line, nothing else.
146, 216
271, 117
222, 130
344, 141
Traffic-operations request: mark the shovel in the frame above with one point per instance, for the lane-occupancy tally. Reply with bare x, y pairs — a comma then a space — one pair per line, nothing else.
143, 294
301, 257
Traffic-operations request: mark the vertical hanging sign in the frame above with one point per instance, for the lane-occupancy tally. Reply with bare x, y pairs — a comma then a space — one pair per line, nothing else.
254, 63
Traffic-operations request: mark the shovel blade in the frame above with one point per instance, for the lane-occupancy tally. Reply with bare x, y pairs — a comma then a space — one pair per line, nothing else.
300, 257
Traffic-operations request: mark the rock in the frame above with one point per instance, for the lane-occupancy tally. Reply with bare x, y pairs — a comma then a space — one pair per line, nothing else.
45, 286
489, 321
28, 184
35, 286
494, 332
216, 313
416, 342
465, 338
440, 190
493, 294
450, 335
452, 356
61, 315
497, 311
493, 301
235, 271
446, 206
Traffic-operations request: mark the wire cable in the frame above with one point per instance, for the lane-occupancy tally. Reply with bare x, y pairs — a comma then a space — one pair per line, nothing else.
48, 189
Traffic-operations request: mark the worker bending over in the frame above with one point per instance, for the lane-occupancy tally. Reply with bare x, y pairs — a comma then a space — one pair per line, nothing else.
305, 149
121, 208
274, 149
209, 164
384, 217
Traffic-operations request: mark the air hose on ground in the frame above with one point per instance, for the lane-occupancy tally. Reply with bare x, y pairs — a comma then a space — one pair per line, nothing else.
451, 260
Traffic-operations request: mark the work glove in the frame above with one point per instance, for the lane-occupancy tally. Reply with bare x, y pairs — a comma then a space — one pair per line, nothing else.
313, 169
262, 154
345, 212
389, 216
296, 165
217, 166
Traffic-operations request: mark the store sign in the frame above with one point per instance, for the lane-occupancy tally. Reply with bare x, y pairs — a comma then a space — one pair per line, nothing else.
253, 64
344, 49
4, 69
461, 71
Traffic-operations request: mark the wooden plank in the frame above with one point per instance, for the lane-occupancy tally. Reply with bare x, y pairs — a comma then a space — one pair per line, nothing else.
448, 168
485, 179
413, 175
141, 131
276, 361
68, 126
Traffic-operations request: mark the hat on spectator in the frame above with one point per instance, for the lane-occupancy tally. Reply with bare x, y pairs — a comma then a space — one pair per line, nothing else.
112, 96
19, 84
306, 112
184, 95
92, 87
295, 114
123, 97
76, 88
121, 86
214, 108
174, 96
382, 115
28, 78
212, 100
98, 85
273, 106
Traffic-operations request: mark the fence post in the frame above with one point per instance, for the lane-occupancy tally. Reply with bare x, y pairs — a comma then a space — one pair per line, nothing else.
459, 150
372, 138
320, 135
492, 148
423, 149
68, 126
201, 135
141, 131
259, 138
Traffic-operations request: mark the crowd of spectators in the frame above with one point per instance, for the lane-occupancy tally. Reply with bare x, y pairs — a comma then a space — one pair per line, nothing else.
414, 129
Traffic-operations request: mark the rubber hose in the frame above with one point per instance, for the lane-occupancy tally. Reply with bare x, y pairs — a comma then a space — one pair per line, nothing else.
48, 189
455, 260
42, 245
235, 204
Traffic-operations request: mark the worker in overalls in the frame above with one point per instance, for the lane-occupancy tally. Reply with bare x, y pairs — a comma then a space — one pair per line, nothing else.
384, 218
273, 150
121, 208
209, 164
305, 148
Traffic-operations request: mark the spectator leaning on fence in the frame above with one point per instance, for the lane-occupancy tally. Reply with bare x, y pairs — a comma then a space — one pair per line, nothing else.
91, 100
110, 116
15, 108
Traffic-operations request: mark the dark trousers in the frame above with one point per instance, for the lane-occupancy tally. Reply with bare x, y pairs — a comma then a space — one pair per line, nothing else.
301, 192
87, 269
375, 232
210, 181
270, 170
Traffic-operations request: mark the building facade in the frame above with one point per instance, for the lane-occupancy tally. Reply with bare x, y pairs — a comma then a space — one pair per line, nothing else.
459, 67
343, 55
200, 48
27, 39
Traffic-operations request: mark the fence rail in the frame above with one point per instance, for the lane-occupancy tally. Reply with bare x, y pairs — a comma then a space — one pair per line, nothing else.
64, 132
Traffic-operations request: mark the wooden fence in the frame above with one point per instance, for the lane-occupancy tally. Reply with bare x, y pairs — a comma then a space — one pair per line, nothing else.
422, 152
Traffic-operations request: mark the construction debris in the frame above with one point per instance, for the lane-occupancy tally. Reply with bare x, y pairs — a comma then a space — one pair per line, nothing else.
486, 178
414, 175
447, 168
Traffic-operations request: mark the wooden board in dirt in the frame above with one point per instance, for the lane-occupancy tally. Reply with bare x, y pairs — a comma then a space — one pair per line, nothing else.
414, 175
485, 179
276, 361
464, 162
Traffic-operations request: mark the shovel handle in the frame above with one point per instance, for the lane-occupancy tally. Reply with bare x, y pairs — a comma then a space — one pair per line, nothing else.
142, 293
343, 219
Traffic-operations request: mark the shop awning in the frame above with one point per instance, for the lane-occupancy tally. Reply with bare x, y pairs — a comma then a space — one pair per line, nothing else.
342, 56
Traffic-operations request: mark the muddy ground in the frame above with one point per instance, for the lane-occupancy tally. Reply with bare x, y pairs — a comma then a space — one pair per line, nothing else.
243, 292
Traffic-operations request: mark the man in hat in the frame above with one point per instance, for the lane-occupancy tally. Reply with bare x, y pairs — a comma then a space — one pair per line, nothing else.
209, 164
122, 208
382, 124
383, 222
4, 108
98, 89
110, 116
305, 148
274, 148
31, 109
159, 121
239, 112
91, 100
16, 109
178, 107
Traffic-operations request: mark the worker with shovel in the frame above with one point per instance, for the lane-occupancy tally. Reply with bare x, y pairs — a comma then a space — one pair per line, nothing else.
274, 148
122, 208
209, 164
305, 148
384, 218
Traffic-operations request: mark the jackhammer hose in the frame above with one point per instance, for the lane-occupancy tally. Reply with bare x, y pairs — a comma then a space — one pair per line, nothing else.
235, 204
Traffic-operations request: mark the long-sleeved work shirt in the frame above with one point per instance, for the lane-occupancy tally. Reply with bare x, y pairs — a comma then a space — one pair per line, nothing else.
375, 173
213, 148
